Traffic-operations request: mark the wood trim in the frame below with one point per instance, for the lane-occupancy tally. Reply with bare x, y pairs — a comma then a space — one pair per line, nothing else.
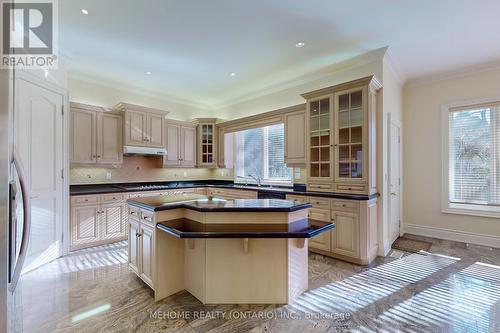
369, 80
121, 107
259, 120
88, 107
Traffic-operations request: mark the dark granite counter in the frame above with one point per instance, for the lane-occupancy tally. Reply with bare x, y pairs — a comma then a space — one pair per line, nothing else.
298, 189
186, 228
202, 203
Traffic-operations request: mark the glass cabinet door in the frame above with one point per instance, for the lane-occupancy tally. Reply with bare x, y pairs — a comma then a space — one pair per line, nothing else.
207, 143
320, 133
350, 128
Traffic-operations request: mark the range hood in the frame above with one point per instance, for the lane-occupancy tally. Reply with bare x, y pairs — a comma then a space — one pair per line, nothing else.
133, 150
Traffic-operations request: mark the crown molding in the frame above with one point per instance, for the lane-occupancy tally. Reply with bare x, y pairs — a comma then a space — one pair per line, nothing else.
357, 61
452, 74
79, 76
394, 67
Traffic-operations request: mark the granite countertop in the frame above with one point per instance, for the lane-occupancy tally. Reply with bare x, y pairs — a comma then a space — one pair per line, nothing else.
186, 228
202, 203
298, 189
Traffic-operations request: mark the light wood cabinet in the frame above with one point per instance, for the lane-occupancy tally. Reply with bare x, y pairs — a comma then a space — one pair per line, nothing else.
321, 242
207, 143
95, 135
231, 194
341, 144
295, 139
345, 239
97, 219
146, 257
144, 127
181, 145
133, 245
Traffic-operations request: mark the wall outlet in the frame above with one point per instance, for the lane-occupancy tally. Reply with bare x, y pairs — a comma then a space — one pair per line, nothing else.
108, 175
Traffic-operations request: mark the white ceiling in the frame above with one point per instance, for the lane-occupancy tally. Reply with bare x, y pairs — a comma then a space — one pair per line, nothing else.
192, 46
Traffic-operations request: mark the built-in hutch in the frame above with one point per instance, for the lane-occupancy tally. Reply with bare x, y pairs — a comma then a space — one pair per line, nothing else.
341, 138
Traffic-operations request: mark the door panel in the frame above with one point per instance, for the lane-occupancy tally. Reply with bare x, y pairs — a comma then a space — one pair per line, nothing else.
112, 221
82, 131
155, 131
109, 138
346, 234
133, 245
295, 140
38, 138
147, 253
188, 149
135, 134
84, 225
173, 145
394, 183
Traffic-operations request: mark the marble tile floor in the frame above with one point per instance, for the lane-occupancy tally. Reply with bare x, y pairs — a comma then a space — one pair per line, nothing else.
453, 288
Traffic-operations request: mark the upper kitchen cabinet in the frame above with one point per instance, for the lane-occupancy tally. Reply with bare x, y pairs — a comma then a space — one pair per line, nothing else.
342, 141
95, 135
225, 151
180, 143
295, 138
207, 143
144, 127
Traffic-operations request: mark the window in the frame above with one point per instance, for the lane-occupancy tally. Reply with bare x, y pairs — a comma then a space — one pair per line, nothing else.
261, 152
472, 152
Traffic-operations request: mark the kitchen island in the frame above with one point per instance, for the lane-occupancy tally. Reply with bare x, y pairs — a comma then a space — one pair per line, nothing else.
243, 251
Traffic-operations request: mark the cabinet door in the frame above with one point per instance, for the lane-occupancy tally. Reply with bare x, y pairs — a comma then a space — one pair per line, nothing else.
321, 242
84, 225
207, 145
346, 235
188, 146
135, 128
350, 138
155, 128
113, 217
109, 138
173, 136
295, 138
133, 244
320, 139
146, 241
82, 134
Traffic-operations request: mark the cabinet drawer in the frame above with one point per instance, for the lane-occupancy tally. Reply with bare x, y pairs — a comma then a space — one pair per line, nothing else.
297, 197
319, 214
350, 188
147, 216
321, 203
84, 199
110, 198
345, 205
319, 187
134, 212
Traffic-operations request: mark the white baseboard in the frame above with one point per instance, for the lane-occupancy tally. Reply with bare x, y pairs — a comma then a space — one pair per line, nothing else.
454, 235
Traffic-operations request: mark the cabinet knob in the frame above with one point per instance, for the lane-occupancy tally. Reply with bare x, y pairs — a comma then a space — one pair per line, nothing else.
98, 156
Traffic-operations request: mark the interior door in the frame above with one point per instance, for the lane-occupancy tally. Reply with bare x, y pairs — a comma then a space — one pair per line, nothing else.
394, 180
38, 137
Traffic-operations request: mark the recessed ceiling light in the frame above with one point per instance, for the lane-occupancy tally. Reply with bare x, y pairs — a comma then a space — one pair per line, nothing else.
233, 74
300, 44
85, 12
148, 72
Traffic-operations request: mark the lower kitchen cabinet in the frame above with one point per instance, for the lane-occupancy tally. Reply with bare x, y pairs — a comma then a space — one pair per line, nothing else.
230, 194
97, 220
345, 239
141, 248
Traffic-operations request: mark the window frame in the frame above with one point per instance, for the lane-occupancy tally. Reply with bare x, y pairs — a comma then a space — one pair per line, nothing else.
460, 208
248, 180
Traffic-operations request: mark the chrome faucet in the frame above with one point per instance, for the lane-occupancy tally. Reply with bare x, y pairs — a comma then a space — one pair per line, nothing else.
257, 178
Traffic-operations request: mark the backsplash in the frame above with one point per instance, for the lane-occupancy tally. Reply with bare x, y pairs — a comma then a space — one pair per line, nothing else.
143, 169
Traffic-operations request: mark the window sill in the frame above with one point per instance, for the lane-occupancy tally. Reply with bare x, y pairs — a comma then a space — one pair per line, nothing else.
472, 210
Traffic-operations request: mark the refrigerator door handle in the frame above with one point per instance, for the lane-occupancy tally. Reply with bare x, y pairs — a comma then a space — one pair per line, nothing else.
26, 221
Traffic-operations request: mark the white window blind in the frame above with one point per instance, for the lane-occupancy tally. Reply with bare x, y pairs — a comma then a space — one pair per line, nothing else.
260, 152
474, 155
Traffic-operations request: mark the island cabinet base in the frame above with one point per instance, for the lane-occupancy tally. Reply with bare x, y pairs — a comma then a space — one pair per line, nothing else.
225, 271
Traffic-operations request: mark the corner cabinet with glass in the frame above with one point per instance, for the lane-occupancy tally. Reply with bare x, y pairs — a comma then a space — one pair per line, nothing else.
342, 138
207, 143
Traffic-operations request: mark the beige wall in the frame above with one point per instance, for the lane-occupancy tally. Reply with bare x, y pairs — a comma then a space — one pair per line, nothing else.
422, 155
